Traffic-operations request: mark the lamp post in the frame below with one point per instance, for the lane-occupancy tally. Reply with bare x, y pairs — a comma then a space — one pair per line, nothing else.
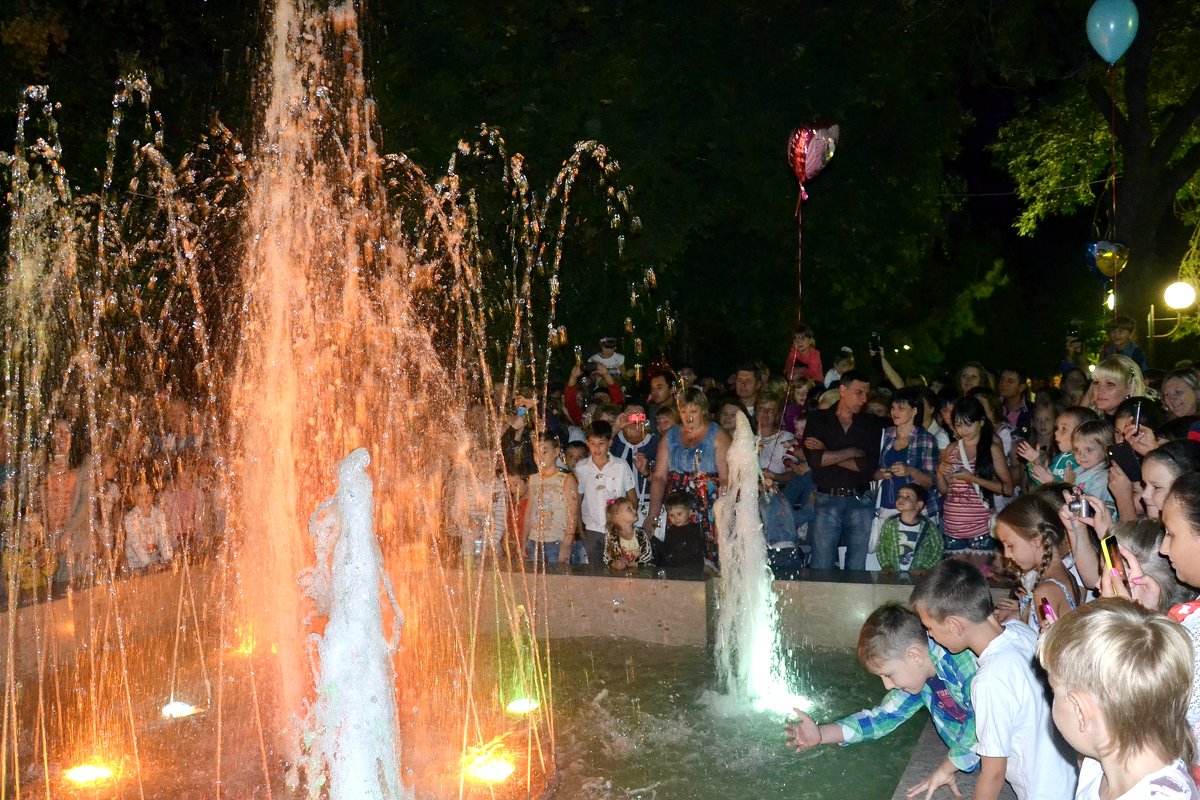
1179, 297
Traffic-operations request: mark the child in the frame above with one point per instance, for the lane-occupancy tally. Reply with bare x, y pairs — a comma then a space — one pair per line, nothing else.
146, 540
627, 546
601, 479
552, 513
1121, 676
909, 542
1090, 443
1041, 449
804, 361
1012, 716
843, 362
1063, 466
917, 672
1033, 538
684, 545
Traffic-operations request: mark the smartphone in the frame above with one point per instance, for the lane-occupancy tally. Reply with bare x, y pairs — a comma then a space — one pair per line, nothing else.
1125, 458
1137, 420
1048, 611
876, 343
1112, 557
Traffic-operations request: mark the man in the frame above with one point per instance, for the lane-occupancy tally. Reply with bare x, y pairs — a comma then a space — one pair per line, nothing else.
746, 383
842, 447
660, 393
601, 478
636, 446
1011, 389
773, 441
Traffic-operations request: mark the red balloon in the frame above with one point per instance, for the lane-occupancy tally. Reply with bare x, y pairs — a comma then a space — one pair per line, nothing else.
809, 150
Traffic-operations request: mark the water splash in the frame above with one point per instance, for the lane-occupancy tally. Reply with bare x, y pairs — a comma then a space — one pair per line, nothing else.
747, 650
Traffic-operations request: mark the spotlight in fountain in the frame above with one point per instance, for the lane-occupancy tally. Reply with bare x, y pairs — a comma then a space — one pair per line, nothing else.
488, 763
177, 709
523, 705
89, 774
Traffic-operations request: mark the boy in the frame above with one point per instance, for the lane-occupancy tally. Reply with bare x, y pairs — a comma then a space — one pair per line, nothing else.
601, 478
1121, 343
909, 542
684, 543
1012, 716
1090, 444
917, 672
1121, 675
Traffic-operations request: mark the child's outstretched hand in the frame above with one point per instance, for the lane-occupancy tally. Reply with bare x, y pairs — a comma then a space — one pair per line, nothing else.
803, 733
942, 776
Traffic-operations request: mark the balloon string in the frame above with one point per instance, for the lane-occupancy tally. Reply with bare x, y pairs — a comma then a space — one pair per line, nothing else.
1112, 138
799, 257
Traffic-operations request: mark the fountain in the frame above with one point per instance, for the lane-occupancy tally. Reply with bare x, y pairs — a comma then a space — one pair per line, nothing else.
241, 321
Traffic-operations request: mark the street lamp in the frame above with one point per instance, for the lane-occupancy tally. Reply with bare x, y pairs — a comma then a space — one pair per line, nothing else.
1179, 297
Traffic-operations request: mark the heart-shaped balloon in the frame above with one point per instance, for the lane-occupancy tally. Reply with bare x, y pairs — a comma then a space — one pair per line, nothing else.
809, 150
1107, 258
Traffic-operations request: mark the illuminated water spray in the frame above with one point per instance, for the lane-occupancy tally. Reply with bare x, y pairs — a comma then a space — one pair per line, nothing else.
749, 659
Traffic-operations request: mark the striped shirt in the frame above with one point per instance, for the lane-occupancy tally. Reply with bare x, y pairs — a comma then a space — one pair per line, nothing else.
964, 513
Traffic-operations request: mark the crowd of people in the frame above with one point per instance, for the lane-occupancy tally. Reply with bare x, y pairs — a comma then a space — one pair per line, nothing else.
83, 520
1074, 497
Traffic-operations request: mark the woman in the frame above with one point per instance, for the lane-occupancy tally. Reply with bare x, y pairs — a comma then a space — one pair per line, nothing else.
907, 454
1179, 392
973, 374
969, 476
691, 459
727, 413
1181, 545
1114, 379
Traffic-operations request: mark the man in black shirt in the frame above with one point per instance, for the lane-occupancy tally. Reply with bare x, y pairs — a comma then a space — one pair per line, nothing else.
842, 447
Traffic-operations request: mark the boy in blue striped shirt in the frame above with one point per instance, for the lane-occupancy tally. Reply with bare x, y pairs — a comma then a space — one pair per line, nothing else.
917, 672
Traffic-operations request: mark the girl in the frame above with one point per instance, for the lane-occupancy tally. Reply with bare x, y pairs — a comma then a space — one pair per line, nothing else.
1041, 449
969, 476
1162, 468
1114, 380
1033, 537
626, 546
804, 361
797, 406
1063, 466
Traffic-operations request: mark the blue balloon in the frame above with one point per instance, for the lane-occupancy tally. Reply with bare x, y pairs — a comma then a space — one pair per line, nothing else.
1111, 26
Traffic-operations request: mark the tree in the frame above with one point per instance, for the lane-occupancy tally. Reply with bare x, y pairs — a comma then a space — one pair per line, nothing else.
1058, 148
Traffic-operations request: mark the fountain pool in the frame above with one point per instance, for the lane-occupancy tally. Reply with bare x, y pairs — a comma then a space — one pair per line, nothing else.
633, 715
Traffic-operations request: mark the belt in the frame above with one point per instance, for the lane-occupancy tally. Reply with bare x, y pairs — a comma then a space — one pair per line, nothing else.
843, 492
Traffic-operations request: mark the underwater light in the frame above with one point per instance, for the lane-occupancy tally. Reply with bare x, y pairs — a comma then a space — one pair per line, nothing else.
87, 774
488, 763
523, 705
177, 709
783, 703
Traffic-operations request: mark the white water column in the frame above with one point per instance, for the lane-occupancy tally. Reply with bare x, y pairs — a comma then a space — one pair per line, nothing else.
352, 737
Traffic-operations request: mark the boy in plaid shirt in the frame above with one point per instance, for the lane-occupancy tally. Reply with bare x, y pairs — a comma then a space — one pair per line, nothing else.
917, 672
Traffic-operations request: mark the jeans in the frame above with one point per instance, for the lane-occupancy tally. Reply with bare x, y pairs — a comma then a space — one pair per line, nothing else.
593, 543
541, 552
841, 520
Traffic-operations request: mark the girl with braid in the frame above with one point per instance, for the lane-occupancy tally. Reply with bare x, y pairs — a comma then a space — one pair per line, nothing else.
1034, 540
